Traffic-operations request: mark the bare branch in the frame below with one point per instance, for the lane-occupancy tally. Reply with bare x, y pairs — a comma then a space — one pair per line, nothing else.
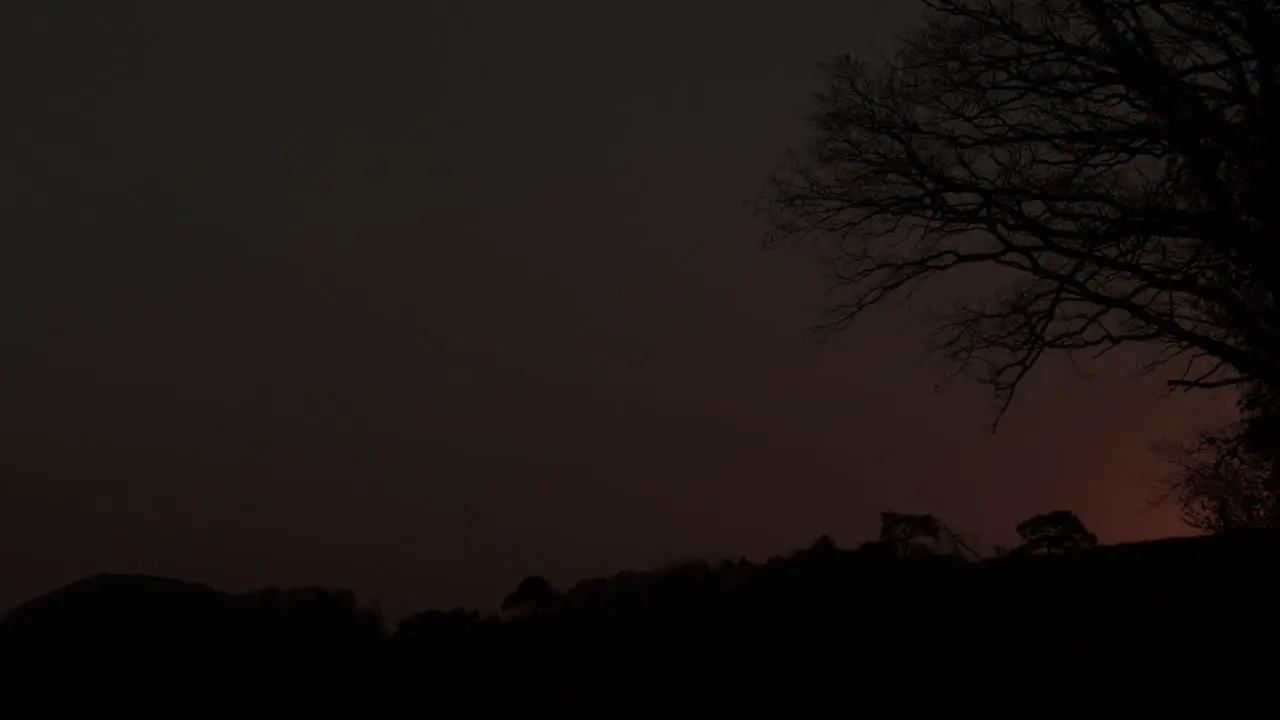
1103, 157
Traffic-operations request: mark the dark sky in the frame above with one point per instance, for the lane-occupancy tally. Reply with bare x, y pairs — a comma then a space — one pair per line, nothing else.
420, 298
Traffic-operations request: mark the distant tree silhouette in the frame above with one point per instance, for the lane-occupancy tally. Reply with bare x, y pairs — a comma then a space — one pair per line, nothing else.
824, 545
912, 535
1060, 531
1108, 161
907, 534
535, 594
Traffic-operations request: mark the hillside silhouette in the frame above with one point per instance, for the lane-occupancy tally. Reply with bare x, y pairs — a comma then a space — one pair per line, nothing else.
913, 589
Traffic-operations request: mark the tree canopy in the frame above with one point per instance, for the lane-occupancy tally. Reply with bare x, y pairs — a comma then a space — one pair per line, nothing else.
1059, 531
1108, 157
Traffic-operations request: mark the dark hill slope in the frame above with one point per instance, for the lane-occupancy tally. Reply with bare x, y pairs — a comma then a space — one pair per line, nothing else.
105, 601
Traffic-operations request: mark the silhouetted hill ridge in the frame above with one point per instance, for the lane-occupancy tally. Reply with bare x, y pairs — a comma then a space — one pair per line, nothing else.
117, 599
869, 596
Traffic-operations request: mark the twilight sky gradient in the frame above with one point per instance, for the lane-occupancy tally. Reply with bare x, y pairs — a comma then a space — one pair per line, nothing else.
420, 298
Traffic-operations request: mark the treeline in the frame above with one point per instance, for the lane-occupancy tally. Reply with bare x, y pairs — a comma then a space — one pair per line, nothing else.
918, 582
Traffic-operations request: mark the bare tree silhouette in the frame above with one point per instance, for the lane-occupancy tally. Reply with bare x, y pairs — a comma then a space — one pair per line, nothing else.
1220, 485
1056, 532
1108, 158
